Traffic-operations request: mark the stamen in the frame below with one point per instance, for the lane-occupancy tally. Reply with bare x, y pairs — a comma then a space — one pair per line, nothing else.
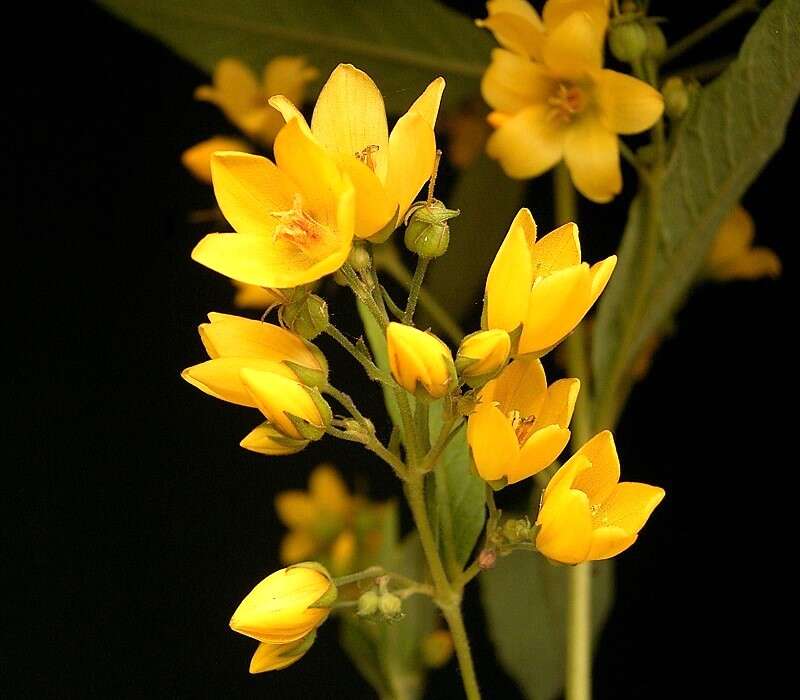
568, 101
522, 425
297, 225
365, 155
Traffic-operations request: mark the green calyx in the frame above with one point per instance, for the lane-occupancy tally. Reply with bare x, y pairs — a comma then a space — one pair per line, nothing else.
427, 231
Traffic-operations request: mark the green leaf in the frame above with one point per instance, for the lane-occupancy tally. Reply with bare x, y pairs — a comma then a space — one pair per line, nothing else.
402, 44
459, 495
733, 127
457, 279
525, 600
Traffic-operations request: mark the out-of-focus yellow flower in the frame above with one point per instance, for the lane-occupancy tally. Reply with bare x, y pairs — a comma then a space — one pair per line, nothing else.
250, 296
287, 605
234, 343
552, 98
274, 657
733, 256
294, 221
467, 131
420, 362
586, 512
237, 93
387, 170
520, 425
482, 354
437, 648
197, 159
542, 284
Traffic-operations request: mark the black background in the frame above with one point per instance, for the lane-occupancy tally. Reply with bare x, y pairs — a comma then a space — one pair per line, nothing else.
137, 524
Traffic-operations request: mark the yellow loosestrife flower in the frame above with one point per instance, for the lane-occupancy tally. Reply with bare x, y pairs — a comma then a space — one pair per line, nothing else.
197, 159
520, 425
586, 512
281, 609
420, 362
274, 657
733, 255
553, 99
293, 218
237, 92
542, 284
482, 354
387, 170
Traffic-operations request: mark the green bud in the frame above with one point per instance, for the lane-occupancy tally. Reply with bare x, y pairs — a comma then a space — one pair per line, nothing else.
359, 258
308, 430
656, 42
427, 231
627, 41
391, 606
517, 531
676, 97
368, 604
308, 316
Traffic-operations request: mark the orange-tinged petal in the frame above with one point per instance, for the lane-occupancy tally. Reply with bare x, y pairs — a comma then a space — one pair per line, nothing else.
350, 116
574, 48
601, 273
248, 188
297, 546
512, 82
522, 386
328, 491
559, 405
566, 527
221, 379
627, 105
276, 396
538, 452
628, 506
755, 263
607, 542
600, 479
562, 480
274, 657
295, 509
492, 441
556, 11
510, 277
527, 144
427, 104
557, 250
591, 153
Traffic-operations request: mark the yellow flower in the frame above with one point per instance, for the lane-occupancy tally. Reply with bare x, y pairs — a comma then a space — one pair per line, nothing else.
234, 343
281, 609
436, 648
733, 256
294, 221
553, 100
420, 362
250, 296
387, 170
197, 159
586, 512
267, 440
520, 425
274, 657
236, 92
482, 354
542, 284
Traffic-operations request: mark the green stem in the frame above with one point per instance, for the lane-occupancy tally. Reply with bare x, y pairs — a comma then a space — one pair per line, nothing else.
448, 432
455, 621
346, 402
728, 14
371, 572
373, 371
414, 289
364, 295
579, 643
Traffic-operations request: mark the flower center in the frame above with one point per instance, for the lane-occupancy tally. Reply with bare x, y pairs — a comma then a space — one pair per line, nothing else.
567, 101
598, 514
522, 425
367, 156
297, 226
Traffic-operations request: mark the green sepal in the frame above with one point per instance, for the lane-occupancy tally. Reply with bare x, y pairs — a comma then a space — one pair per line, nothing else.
310, 377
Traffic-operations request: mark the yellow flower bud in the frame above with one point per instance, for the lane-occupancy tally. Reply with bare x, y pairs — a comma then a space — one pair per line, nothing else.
437, 648
267, 440
676, 97
281, 609
586, 513
481, 355
274, 657
420, 362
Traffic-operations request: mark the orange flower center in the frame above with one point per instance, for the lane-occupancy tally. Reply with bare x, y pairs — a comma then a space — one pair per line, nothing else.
297, 226
522, 425
367, 156
567, 101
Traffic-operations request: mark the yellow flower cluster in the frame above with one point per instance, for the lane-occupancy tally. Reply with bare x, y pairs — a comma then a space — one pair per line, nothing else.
552, 98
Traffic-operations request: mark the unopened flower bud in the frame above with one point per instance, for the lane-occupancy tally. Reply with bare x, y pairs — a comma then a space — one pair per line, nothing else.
656, 42
482, 355
368, 603
676, 97
420, 362
359, 258
437, 648
627, 41
487, 559
307, 317
427, 231
391, 606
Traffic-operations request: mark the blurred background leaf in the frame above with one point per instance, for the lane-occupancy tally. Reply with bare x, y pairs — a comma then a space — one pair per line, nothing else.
733, 127
402, 44
525, 598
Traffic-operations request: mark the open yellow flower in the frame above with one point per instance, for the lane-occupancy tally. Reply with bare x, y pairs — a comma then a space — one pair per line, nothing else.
237, 92
542, 284
197, 159
274, 657
733, 255
520, 425
586, 512
293, 218
553, 100
420, 362
281, 609
387, 170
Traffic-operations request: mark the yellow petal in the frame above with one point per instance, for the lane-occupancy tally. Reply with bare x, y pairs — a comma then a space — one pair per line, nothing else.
556, 11
276, 396
557, 250
519, 8
538, 452
427, 104
492, 441
288, 75
235, 88
516, 26
559, 405
375, 205
601, 273
607, 542
527, 144
289, 111
556, 304
350, 116
734, 236
343, 551
522, 386
274, 657
628, 506
755, 263
566, 527
197, 159
248, 188
221, 379
328, 491
296, 509
510, 276
574, 48
267, 440
483, 353
591, 153
512, 82
250, 296
412, 151
417, 357
562, 480
627, 105
600, 479
297, 546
